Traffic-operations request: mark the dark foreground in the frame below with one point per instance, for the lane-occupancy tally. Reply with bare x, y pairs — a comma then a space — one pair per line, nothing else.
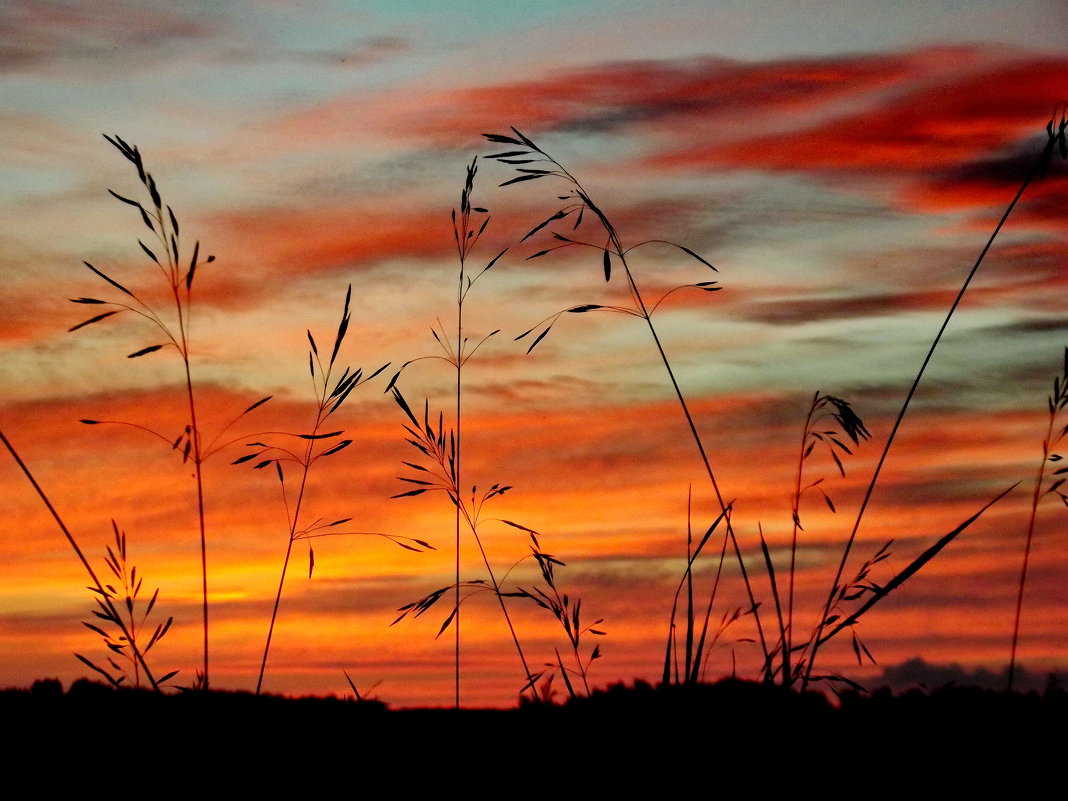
731, 730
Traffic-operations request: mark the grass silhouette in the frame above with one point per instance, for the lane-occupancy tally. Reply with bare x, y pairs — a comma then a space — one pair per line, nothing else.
580, 206
1056, 403
105, 597
306, 449
124, 644
444, 448
175, 331
788, 657
1055, 143
533, 163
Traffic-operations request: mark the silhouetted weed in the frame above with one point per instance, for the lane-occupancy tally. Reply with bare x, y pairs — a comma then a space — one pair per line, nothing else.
533, 163
441, 449
106, 597
444, 448
178, 268
303, 450
1056, 403
123, 642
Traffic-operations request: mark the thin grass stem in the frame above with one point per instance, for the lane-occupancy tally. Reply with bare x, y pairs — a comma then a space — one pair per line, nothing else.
819, 638
616, 249
1027, 554
1057, 401
104, 595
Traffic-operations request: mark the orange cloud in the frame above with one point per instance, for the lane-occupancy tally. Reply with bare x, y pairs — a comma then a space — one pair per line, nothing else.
318, 239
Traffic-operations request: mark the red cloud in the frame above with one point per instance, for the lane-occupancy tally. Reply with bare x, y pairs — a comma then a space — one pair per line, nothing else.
993, 184
937, 125
663, 93
669, 94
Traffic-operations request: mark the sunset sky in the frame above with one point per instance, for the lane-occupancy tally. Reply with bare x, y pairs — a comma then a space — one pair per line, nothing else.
841, 165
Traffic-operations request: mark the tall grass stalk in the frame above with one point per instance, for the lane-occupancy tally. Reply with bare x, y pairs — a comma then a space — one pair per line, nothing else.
162, 222
578, 203
98, 586
447, 451
1055, 142
465, 237
304, 450
1056, 402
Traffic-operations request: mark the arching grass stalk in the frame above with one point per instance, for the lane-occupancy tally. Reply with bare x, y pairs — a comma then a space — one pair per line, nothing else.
447, 452
304, 450
98, 586
1056, 402
577, 204
1055, 143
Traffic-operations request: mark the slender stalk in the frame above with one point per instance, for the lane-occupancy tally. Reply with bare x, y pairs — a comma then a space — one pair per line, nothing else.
615, 248
274, 615
133, 636
198, 472
327, 402
1027, 552
184, 319
689, 584
645, 314
289, 552
459, 432
817, 638
1057, 400
504, 609
788, 645
769, 672
140, 659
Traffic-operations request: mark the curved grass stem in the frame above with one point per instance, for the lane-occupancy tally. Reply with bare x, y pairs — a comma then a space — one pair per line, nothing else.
614, 248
